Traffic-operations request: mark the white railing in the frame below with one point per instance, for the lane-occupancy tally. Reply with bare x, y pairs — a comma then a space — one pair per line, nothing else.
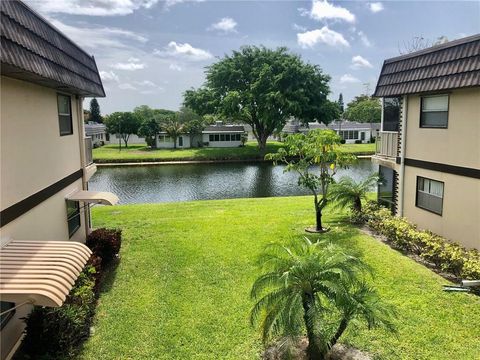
387, 143
88, 151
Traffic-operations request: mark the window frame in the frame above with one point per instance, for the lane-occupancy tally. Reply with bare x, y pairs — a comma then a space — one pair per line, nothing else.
70, 115
75, 215
9, 315
421, 125
417, 191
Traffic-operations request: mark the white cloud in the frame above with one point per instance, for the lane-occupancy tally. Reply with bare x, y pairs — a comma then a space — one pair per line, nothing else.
226, 25
348, 79
359, 62
170, 3
127, 86
375, 7
132, 65
175, 67
146, 83
98, 37
185, 51
109, 76
324, 35
91, 7
323, 10
364, 39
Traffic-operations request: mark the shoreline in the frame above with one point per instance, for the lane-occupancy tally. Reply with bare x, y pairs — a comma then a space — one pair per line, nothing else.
107, 163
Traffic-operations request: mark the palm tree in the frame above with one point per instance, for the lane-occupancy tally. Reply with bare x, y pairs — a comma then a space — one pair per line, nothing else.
317, 288
349, 192
173, 127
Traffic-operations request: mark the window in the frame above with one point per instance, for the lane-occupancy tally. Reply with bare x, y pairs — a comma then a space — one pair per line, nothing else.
434, 111
4, 306
429, 195
222, 137
64, 114
73, 217
227, 137
386, 186
238, 137
349, 134
211, 137
391, 113
180, 141
217, 137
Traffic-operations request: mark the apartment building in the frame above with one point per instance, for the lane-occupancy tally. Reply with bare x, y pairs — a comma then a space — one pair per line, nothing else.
428, 148
45, 165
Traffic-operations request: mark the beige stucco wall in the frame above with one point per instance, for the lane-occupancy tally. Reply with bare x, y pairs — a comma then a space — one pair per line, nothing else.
460, 220
33, 155
457, 145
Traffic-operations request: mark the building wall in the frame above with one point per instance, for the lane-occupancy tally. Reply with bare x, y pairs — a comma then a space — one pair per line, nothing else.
169, 144
33, 154
461, 206
457, 145
133, 139
206, 139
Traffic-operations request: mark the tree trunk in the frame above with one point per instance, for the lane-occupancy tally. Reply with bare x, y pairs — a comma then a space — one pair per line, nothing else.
314, 351
174, 143
126, 143
341, 328
318, 214
262, 143
357, 205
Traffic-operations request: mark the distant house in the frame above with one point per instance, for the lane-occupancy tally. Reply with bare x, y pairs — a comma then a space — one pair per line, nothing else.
165, 141
133, 139
428, 150
350, 131
220, 135
97, 132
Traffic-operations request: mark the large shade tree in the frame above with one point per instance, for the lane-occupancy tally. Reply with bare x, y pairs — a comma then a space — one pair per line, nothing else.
317, 289
263, 88
124, 124
315, 157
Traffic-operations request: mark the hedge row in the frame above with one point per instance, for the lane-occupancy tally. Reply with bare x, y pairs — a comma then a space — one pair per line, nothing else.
56, 333
445, 255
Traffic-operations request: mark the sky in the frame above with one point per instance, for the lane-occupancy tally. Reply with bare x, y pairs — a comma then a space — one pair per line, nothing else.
149, 52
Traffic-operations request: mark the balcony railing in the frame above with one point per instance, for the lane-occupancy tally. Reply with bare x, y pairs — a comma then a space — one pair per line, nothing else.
387, 143
88, 151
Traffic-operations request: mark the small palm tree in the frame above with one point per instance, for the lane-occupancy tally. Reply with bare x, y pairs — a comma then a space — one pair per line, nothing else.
173, 127
315, 288
349, 192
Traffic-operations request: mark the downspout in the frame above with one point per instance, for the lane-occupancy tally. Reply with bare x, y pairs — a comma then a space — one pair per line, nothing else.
83, 162
402, 155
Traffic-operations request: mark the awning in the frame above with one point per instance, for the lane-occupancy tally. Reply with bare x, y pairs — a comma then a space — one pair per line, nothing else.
40, 272
94, 197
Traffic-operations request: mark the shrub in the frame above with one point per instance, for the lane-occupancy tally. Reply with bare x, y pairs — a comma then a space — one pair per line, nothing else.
358, 141
342, 141
105, 243
445, 255
53, 333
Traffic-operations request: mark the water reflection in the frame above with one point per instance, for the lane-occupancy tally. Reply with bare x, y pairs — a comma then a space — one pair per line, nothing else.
170, 183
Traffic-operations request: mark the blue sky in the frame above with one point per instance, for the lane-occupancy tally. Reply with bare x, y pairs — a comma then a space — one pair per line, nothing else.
150, 51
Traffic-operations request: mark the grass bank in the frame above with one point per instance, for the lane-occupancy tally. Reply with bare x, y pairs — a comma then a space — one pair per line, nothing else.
141, 153
181, 290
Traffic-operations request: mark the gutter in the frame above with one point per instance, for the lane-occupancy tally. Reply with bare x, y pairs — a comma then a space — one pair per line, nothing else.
402, 155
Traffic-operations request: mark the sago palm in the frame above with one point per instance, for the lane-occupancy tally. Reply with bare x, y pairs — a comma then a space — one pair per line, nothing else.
348, 192
313, 288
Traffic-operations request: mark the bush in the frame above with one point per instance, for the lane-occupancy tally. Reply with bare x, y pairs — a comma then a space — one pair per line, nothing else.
105, 243
358, 141
53, 333
342, 141
445, 255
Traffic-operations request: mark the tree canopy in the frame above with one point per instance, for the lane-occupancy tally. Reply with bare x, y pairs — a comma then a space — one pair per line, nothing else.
123, 123
364, 109
263, 88
95, 115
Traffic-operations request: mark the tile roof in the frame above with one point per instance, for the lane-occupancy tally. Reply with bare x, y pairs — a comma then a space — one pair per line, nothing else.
34, 50
452, 65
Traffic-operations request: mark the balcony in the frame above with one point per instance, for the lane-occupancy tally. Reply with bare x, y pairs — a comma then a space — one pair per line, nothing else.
88, 151
387, 144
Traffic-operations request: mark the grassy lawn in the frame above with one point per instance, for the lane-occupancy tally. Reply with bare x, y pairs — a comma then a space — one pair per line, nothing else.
110, 153
181, 290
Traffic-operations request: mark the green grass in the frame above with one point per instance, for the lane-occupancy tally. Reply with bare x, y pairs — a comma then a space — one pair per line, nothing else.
138, 153
181, 290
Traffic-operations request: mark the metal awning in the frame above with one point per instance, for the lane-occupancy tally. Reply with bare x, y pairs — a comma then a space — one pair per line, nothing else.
40, 272
94, 197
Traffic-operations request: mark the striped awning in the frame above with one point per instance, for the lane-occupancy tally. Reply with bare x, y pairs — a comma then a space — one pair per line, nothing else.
40, 272
94, 197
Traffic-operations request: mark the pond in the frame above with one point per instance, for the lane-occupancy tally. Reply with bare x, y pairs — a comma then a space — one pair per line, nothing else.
185, 182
